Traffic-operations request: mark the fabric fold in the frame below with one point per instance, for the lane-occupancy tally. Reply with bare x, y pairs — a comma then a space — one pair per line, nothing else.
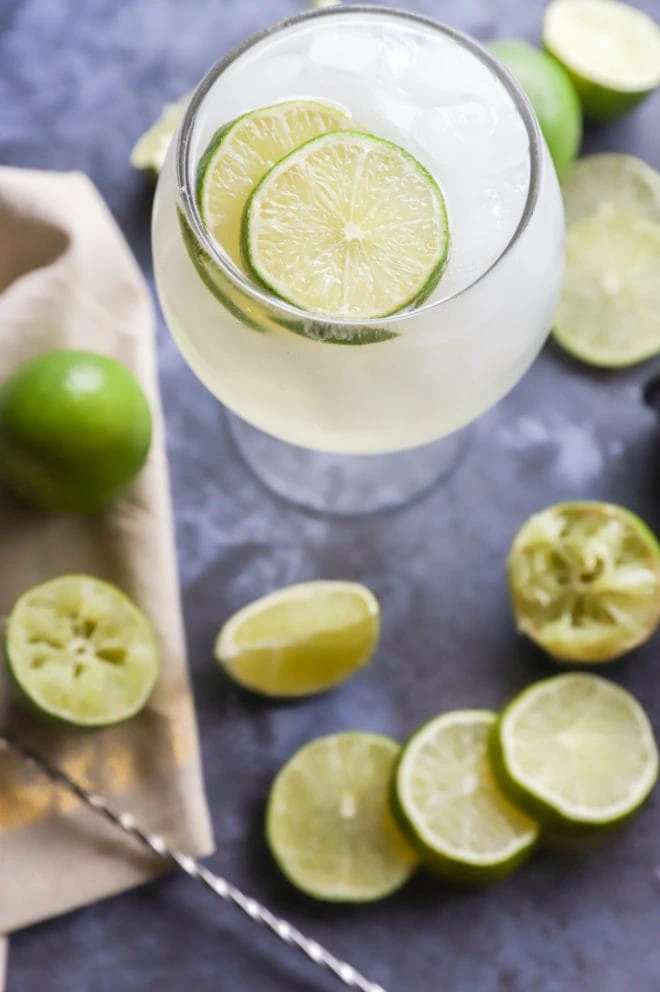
68, 279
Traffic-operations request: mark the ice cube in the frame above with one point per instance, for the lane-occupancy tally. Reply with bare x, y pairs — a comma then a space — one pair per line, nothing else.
352, 50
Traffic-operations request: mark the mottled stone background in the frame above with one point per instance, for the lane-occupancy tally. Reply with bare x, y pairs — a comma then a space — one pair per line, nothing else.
78, 82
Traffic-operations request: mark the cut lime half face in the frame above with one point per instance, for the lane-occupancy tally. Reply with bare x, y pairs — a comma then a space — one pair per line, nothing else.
607, 183
349, 225
610, 301
242, 152
577, 751
302, 639
450, 804
80, 652
585, 581
329, 824
610, 49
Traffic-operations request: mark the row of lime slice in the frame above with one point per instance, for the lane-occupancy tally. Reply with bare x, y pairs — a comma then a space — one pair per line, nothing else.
470, 796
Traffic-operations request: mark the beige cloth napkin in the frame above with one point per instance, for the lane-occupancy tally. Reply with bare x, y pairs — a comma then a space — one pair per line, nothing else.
67, 278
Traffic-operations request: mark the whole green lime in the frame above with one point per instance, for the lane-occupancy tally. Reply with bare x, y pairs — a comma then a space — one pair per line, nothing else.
551, 93
75, 429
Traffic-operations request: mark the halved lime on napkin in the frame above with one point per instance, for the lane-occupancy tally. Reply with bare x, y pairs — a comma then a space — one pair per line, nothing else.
329, 824
242, 152
552, 95
149, 152
610, 49
610, 182
81, 652
451, 806
585, 581
610, 301
577, 751
302, 639
349, 225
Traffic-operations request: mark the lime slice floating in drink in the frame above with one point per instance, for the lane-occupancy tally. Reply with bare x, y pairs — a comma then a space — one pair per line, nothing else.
80, 652
610, 49
610, 301
604, 184
577, 752
302, 639
241, 153
349, 225
451, 806
329, 824
149, 152
551, 94
585, 581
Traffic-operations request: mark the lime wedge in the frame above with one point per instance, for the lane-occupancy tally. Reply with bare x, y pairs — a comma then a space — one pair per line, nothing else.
608, 311
551, 94
80, 652
302, 639
585, 581
605, 184
450, 805
348, 225
242, 152
577, 751
149, 152
329, 825
610, 49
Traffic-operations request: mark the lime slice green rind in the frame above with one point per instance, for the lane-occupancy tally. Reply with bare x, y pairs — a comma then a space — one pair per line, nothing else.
608, 310
328, 821
552, 95
610, 49
582, 761
80, 653
241, 152
607, 183
450, 807
287, 226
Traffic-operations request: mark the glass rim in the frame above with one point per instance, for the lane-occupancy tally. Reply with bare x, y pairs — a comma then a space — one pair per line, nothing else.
186, 178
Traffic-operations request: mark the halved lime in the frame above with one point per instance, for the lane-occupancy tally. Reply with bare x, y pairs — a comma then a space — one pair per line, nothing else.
302, 639
576, 751
149, 151
585, 581
610, 49
349, 225
329, 824
610, 301
551, 94
604, 184
241, 153
450, 804
81, 652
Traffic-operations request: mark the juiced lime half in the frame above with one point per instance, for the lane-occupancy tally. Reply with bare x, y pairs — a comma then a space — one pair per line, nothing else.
302, 639
329, 823
607, 183
79, 651
610, 301
450, 804
578, 752
585, 581
349, 225
242, 152
610, 49
151, 148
